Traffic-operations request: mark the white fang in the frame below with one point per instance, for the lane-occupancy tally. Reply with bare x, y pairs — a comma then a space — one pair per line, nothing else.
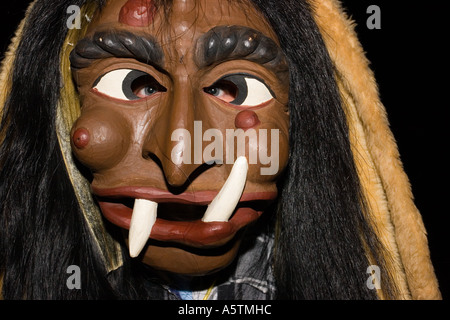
223, 205
142, 221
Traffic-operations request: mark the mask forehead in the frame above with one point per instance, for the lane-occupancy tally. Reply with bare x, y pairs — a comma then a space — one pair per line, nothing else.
179, 18
178, 24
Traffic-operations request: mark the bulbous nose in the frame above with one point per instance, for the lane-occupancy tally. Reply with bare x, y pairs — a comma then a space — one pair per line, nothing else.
170, 138
99, 139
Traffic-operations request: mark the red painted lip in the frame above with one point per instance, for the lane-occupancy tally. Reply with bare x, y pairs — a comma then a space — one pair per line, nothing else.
158, 195
192, 233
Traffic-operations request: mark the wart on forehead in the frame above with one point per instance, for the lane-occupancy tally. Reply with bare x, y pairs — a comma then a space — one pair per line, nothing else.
141, 13
137, 13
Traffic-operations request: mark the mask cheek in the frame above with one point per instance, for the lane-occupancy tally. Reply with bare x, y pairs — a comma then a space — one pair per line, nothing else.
100, 139
267, 150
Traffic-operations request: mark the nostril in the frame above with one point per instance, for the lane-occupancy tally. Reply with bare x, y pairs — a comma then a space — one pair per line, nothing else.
153, 157
177, 177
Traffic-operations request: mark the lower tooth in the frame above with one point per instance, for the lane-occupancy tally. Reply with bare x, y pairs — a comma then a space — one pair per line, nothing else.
223, 205
142, 221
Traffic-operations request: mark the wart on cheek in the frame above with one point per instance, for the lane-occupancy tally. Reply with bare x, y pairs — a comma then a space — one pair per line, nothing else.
246, 119
81, 138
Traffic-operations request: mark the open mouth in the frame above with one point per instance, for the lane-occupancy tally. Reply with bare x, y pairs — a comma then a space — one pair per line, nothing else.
204, 219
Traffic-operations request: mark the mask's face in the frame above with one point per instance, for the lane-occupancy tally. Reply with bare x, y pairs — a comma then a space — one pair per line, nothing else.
169, 102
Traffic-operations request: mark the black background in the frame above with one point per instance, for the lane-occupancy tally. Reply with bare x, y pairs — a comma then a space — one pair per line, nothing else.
410, 63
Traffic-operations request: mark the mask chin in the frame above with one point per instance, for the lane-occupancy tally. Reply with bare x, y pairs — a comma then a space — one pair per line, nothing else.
190, 261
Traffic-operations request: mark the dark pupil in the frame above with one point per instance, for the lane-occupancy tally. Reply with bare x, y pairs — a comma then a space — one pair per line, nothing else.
150, 90
137, 80
212, 91
233, 85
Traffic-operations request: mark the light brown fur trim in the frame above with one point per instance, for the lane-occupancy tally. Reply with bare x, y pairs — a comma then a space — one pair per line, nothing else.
375, 198
402, 217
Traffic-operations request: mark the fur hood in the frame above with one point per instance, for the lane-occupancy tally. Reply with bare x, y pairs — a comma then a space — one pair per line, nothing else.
394, 216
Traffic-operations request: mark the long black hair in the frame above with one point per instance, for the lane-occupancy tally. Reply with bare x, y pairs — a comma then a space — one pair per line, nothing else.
42, 229
321, 227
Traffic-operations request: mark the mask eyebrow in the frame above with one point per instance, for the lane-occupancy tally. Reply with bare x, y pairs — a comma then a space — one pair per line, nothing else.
223, 43
119, 44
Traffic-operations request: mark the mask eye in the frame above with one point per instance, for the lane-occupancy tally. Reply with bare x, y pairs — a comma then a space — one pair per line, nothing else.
240, 90
127, 84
